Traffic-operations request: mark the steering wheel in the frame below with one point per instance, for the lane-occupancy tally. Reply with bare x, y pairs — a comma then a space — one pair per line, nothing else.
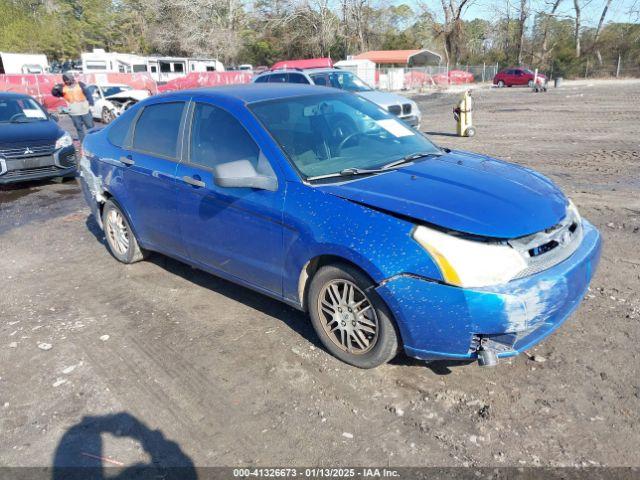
16, 116
348, 138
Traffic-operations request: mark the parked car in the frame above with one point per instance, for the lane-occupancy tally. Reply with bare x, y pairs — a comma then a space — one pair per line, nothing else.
323, 200
398, 105
32, 144
110, 100
517, 76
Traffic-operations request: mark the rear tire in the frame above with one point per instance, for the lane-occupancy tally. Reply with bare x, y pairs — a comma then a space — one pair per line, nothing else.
350, 318
121, 240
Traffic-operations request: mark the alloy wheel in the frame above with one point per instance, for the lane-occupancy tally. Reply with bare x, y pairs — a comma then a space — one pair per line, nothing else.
348, 317
117, 232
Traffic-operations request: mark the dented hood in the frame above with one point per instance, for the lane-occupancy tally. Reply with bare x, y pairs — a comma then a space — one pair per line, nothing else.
464, 192
138, 95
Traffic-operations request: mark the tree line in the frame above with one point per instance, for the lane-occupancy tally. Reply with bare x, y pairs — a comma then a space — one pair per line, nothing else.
549, 34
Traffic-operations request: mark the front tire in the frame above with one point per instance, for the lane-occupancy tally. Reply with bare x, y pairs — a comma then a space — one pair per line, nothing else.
107, 116
120, 238
350, 318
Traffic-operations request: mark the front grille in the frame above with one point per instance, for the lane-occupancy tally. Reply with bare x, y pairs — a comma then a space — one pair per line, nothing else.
395, 109
29, 171
406, 108
27, 163
31, 151
546, 249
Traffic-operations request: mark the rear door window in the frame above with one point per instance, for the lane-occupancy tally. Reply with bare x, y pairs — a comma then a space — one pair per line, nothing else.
158, 128
278, 78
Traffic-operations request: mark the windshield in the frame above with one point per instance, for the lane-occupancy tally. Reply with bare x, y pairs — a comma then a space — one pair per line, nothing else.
342, 80
20, 110
106, 91
325, 134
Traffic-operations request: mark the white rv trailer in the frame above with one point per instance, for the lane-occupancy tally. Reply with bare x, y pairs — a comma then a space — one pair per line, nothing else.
163, 69
160, 68
23, 63
100, 61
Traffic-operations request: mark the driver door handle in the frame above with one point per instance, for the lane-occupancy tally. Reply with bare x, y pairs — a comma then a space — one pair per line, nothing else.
127, 160
194, 182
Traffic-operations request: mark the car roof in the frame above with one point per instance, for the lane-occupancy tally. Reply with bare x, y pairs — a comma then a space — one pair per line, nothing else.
256, 92
303, 70
13, 95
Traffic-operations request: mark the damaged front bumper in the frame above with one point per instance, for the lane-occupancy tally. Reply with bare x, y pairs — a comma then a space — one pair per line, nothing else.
439, 321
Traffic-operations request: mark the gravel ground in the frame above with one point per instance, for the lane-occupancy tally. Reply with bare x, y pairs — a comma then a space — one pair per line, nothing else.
160, 362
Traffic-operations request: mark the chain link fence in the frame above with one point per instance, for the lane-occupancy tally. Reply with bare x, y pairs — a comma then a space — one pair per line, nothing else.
611, 70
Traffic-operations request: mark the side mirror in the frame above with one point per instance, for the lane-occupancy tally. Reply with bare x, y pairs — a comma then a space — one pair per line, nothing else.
242, 174
54, 117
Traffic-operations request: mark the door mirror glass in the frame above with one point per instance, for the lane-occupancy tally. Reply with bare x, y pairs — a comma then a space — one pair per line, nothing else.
242, 174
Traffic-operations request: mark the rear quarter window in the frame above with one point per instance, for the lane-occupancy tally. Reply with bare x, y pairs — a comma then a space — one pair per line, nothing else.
297, 78
119, 129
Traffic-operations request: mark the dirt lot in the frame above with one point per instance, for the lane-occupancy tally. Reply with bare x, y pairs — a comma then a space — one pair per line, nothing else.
95, 355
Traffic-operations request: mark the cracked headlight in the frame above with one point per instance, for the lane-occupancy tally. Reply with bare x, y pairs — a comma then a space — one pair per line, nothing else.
468, 263
64, 141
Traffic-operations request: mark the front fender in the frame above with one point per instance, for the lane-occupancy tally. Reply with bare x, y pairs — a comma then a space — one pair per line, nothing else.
317, 223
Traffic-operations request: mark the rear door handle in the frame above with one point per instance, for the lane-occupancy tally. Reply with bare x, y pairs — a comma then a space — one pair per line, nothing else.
127, 160
194, 182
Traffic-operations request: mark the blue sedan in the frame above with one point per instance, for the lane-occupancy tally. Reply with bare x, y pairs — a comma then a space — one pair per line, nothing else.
325, 201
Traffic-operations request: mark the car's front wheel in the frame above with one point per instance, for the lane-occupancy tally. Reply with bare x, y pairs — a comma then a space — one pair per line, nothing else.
120, 238
350, 318
107, 115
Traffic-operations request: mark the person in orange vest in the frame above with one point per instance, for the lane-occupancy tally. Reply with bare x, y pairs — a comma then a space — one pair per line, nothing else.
79, 100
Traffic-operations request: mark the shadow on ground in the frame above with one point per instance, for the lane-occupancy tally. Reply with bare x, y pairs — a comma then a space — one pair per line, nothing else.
441, 134
79, 454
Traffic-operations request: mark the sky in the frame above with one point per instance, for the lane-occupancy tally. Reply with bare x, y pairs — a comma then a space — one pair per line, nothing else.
590, 9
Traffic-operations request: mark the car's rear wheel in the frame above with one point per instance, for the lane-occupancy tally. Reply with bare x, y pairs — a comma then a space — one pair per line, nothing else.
120, 238
350, 318
500, 84
107, 115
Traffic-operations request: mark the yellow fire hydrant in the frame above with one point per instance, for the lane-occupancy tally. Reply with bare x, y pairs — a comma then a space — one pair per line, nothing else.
462, 114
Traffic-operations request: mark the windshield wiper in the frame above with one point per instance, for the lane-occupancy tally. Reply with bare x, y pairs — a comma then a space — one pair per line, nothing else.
409, 159
350, 172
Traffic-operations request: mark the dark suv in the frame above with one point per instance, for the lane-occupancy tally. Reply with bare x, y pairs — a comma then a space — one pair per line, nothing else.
32, 145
